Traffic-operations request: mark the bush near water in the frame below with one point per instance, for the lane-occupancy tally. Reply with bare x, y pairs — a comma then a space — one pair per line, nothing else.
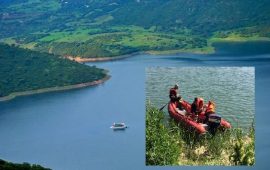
169, 143
162, 145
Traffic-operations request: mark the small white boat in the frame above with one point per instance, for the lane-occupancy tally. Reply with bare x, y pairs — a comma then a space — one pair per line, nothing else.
119, 126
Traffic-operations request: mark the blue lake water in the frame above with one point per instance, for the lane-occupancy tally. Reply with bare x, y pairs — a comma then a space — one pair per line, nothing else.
70, 130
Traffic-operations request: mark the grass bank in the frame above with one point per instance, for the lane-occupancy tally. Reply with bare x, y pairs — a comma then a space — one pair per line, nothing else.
238, 39
168, 143
241, 35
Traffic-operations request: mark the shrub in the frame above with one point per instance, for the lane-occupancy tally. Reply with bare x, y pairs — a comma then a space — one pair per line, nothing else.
244, 148
162, 144
4, 165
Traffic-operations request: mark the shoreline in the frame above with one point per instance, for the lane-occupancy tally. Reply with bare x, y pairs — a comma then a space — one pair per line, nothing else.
239, 39
101, 59
209, 49
54, 89
150, 52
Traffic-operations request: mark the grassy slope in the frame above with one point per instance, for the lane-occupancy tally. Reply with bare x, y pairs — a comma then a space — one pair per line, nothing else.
243, 34
114, 42
124, 40
106, 28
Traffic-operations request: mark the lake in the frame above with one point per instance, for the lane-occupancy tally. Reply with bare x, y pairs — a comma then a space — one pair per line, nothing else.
71, 130
231, 88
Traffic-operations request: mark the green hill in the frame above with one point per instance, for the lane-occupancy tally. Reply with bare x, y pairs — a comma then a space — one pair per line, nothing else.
201, 16
24, 70
107, 28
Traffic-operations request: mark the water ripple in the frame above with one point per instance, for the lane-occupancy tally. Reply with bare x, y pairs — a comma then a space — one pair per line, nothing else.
232, 88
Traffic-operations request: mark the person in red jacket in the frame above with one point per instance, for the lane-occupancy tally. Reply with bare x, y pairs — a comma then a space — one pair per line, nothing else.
197, 106
174, 96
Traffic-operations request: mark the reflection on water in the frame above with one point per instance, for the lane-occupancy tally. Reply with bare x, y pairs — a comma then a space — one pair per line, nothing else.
232, 89
242, 49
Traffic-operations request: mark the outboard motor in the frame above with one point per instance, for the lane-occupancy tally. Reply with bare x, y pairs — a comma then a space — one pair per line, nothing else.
214, 121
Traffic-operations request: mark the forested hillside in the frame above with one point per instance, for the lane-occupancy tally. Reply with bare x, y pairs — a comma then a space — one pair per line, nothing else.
106, 28
4, 165
201, 16
23, 70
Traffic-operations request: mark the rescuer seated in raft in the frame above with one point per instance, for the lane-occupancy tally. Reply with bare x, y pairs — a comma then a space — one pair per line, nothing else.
179, 109
197, 106
210, 109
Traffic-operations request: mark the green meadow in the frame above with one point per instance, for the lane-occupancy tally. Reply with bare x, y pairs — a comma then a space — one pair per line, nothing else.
109, 42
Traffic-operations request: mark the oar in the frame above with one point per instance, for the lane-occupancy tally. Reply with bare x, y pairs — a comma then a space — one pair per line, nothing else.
163, 107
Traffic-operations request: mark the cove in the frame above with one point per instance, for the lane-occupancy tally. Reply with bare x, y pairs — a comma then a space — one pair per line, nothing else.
71, 129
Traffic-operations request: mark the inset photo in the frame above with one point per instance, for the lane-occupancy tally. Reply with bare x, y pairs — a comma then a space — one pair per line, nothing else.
200, 116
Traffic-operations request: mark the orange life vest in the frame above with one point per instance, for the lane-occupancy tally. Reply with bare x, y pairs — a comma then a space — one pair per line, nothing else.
211, 107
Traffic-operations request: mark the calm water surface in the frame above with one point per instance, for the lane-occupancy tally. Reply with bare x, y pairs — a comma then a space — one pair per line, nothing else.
70, 130
231, 88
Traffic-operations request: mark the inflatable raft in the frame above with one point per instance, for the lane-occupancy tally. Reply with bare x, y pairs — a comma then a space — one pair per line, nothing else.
191, 121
